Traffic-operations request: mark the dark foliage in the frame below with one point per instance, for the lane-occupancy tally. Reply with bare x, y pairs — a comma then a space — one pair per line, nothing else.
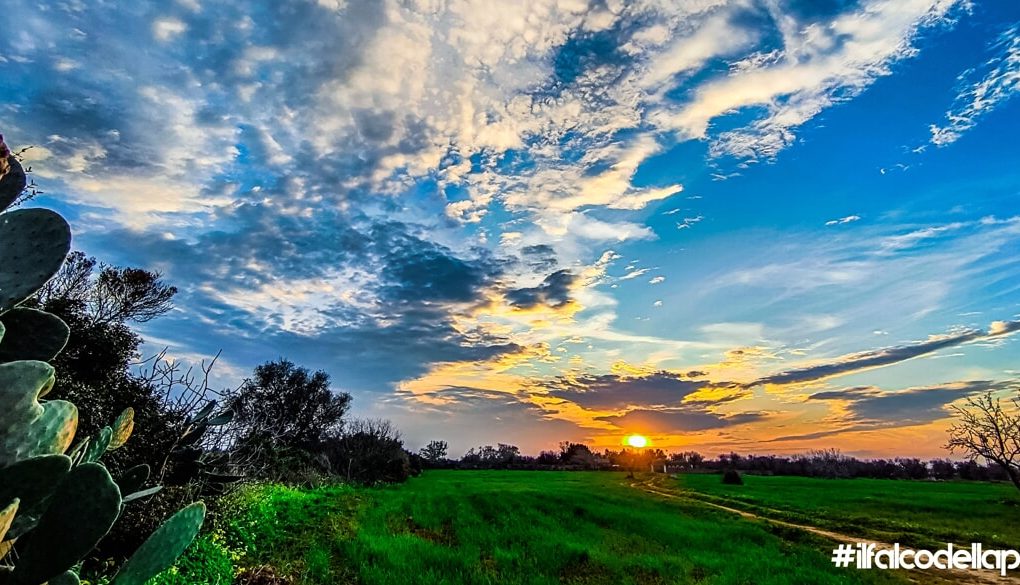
732, 477
94, 367
284, 407
368, 452
434, 454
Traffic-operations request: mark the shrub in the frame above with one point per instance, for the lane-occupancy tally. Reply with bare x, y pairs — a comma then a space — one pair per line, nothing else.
370, 452
732, 477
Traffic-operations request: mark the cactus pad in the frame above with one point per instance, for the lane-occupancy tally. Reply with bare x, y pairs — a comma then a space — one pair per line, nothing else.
33, 244
81, 512
7, 517
29, 427
12, 183
133, 479
143, 494
98, 445
122, 428
161, 549
30, 334
32, 481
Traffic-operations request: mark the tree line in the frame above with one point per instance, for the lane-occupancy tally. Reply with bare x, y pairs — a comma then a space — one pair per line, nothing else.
826, 463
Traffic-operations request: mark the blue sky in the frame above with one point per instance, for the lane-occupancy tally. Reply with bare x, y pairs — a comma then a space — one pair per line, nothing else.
753, 225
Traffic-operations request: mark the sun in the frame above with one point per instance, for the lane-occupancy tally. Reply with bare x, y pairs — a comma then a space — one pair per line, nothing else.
637, 441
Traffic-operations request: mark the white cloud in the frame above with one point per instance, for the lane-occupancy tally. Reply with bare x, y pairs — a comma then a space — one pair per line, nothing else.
634, 274
688, 222
819, 65
166, 29
843, 220
999, 81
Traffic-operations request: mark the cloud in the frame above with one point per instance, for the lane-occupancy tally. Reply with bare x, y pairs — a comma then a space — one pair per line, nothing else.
373, 300
984, 88
820, 63
649, 401
613, 391
843, 220
467, 417
386, 188
682, 420
635, 273
539, 256
998, 328
915, 237
165, 29
657, 280
553, 292
870, 406
688, 222
871, 409
867, 360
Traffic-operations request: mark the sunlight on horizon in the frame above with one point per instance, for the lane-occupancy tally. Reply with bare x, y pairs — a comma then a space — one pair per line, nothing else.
637, 441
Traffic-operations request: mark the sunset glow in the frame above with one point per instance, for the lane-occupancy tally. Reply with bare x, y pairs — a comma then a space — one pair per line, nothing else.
637, 441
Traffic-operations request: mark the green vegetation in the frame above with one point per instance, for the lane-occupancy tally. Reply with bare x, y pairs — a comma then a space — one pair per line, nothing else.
507, 527
55, 508
919, 513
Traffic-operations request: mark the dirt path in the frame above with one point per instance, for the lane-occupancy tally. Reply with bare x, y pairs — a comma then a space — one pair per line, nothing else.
961, 577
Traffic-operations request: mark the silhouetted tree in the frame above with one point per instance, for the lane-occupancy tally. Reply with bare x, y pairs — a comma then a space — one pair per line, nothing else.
283, 410
577, 454
987, 429
942, 469
113, 295
434, 453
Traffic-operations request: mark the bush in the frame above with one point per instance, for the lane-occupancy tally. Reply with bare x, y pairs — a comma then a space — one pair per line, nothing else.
732, 477
370, 452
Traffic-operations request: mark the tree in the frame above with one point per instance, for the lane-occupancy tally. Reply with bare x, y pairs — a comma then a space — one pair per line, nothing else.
986, 428
942, 469
577, 454
113, 295
284, 406
434, 452
95, 366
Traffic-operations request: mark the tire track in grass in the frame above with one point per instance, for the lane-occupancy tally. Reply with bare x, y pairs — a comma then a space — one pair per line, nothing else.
956, 576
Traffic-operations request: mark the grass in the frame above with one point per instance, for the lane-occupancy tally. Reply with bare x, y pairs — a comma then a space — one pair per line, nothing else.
483, 527
919, 513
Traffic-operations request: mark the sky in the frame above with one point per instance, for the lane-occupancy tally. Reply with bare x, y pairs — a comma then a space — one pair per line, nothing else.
757, 225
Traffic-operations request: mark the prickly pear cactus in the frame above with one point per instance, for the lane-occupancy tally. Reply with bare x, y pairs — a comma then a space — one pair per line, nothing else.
12, 176
54, 508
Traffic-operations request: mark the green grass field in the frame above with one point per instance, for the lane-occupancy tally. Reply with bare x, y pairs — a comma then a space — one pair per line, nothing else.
515, 527
910, 512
